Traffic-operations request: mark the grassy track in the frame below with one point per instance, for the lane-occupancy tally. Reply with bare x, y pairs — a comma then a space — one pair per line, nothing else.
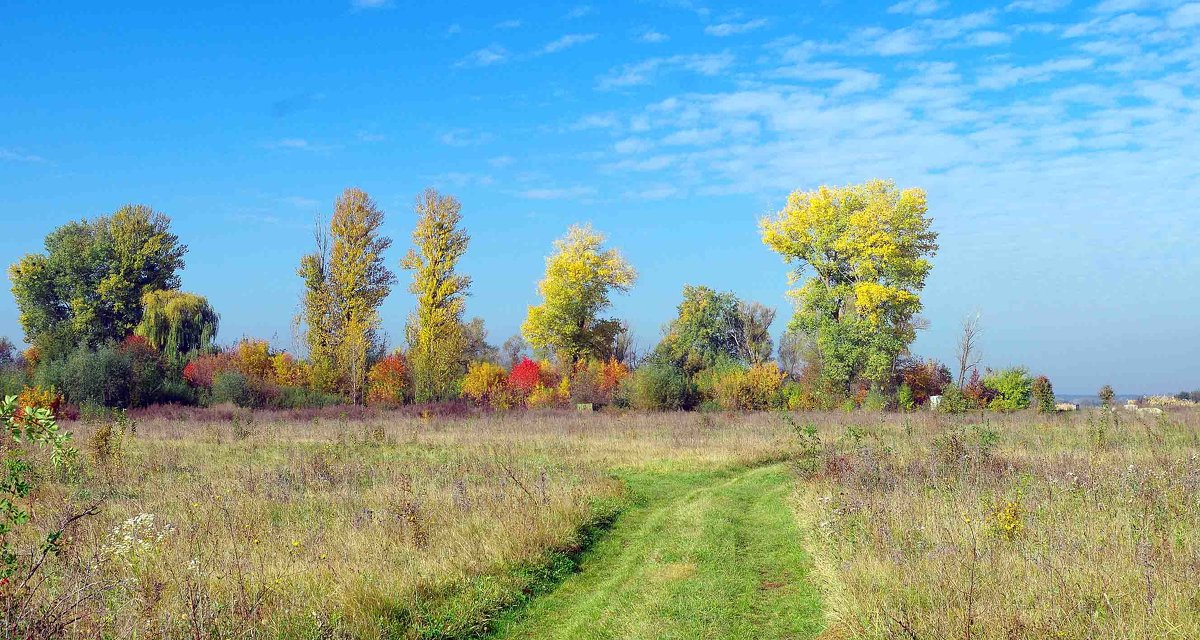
702, 555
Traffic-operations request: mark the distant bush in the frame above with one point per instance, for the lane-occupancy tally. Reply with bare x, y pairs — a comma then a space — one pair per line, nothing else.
110, 376
660, 387
954, 400
875, 400
301, 398
234, 387
1013, 387
1043, 394
733, 388
1106, 395
924, 378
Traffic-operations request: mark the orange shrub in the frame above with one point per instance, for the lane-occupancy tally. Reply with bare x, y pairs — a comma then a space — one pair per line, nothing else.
387, 381
39, 398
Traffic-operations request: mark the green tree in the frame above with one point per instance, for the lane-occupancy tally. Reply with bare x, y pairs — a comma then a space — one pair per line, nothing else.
1013, 387
868, 248
87, 288
177, 324
1106, 396
580, 276
436, 343
705, 332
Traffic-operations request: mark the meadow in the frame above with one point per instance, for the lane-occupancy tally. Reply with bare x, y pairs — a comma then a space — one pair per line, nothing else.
237, 524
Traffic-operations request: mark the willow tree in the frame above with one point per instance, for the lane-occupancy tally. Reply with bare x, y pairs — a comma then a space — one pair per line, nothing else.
346, 279
434, 333
867, 249
177, 324
580, 278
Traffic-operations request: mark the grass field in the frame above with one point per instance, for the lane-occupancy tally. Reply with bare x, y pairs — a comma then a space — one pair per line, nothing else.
635, 525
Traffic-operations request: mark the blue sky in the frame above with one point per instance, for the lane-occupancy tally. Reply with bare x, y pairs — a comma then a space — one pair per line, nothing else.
1059, 143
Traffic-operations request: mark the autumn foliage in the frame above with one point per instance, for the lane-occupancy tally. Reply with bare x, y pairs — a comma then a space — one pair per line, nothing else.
387, 381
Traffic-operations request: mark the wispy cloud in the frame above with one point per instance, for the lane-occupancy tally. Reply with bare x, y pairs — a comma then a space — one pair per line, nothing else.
1185, 16
652, 36
485, 57
508, 24
569, 40
369, 136
501, 161
297, 144
465, 138
300, 202
370, 4
916, 7
580, 11
644, 72
726, 29
16, 155
567, 193
1004, 76
1037, 6
294, 103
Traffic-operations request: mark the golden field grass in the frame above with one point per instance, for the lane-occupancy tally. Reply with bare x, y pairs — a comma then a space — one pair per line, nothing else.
1024, 526
388, 526
385, 525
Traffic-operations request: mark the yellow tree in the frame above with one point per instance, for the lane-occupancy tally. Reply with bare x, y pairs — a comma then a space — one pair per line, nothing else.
580, 276
346, 279
868, 248
359, 281
434, 332
318, 317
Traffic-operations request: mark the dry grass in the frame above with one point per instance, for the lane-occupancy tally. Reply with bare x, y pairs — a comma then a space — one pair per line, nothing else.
385, 525
1077, 526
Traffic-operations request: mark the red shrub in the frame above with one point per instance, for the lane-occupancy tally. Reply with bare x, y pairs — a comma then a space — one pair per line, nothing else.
925, 378
388, 380
201, 371
525, 376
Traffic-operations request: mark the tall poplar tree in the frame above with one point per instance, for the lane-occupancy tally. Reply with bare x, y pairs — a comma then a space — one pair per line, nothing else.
346, 279
435, 332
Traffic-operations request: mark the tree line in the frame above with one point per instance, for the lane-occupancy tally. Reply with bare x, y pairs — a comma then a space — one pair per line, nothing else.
108, 324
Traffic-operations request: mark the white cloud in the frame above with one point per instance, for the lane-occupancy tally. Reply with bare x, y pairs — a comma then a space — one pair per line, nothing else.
485, 57
1037, 6
633, 145
579, 12
508, 24
465, 138
1004, 76
16, 155
299, 144
1185, 16
501, 161
568, 193
916, 7
644, 72
569, 40
726, 29
454, 29
300, 202
596, 121
652, 36
368, 136
371, 4
988, 38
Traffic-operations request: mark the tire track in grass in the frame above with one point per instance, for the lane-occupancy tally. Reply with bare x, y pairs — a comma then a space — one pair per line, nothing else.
701, 555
